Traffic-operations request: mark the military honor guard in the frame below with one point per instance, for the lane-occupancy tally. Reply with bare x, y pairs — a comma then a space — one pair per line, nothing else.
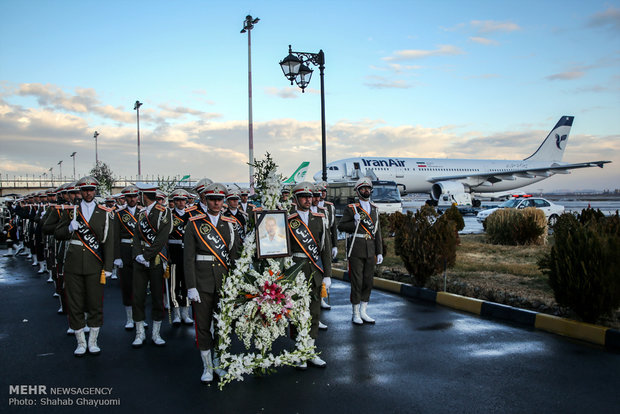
245, 205
310, 245
124, 230
330, 213
233, 211
154, 224
178, 288
89, 257
211, 246
364, 248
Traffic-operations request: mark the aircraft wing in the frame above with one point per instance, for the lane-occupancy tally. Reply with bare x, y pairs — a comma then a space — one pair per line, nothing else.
495, 177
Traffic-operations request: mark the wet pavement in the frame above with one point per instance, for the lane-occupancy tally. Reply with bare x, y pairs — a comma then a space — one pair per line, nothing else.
418, 358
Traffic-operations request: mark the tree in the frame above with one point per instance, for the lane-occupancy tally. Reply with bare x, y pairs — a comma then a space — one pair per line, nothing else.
103, 174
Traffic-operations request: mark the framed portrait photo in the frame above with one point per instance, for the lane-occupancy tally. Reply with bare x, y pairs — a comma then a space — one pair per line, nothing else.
271, 234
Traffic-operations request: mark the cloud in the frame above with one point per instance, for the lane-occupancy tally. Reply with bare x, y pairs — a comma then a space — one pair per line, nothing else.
409, 54
492, 26
484, 41
483, 76
569, 75
380, 82
609, 18
285, 93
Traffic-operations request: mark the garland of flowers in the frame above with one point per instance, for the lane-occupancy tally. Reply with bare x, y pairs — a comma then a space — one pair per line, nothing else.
261, 298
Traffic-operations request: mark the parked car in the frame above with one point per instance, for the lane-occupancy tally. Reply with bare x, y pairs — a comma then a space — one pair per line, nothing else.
552, 211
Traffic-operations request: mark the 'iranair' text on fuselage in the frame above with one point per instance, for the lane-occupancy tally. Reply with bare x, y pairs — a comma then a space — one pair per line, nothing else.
388, 162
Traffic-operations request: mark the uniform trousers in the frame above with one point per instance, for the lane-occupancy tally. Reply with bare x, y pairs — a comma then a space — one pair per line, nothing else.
361, 273
178, 288
84, 294
126, 274
315, 295
142, 275
203, 316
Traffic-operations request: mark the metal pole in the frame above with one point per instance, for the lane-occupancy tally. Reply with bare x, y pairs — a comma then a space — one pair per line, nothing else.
60, 169
137, 108
73, 156
96, 134
248, 25
323, 140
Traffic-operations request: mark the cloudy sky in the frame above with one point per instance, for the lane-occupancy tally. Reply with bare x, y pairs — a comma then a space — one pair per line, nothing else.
480, 79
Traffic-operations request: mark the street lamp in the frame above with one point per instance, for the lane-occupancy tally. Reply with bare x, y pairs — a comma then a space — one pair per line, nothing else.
248, 25
51, 170
60, 169
295, 69
95, 135
136, 107
73, 156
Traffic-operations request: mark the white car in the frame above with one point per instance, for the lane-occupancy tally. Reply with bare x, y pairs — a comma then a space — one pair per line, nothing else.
552, 211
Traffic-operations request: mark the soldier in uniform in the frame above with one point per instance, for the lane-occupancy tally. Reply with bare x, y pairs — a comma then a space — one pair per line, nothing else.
178, 288
124, 230
233, 211
211, 246
310, 245
89, 257
39, 242
244, 205
330, 213
149, 251
361, 221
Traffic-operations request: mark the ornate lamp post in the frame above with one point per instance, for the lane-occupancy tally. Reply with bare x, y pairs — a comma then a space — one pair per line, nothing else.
295, 69
73, 156
248, 25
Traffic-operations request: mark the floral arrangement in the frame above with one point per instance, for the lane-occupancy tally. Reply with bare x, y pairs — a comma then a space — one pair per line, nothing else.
260, 299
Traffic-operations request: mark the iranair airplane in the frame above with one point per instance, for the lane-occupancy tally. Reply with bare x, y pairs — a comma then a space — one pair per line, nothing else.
461, 177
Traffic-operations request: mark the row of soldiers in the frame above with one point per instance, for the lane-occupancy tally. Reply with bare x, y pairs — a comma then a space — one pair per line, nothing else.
182, 251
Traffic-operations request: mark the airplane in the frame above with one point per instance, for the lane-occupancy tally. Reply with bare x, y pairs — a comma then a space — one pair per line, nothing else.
299, 175
459, 178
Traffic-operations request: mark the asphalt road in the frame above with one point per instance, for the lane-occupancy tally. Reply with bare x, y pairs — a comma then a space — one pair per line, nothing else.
418, 358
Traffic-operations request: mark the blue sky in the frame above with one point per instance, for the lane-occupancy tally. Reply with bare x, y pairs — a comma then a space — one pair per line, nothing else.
402, 78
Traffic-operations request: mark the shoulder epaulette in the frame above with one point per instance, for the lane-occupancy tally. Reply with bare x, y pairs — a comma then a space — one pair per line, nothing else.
104, 208
197, 217
317, 214
192, 208
373, 204
328, 203
257, 209
293, 215
160, 207
251, 204
351, 205
228, 219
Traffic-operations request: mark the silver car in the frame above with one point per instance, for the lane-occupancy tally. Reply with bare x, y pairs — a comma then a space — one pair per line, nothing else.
552, 211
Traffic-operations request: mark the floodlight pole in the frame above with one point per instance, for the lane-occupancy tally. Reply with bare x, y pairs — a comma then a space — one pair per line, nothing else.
248, 25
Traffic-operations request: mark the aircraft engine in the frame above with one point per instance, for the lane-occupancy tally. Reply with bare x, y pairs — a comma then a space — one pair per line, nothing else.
446, 187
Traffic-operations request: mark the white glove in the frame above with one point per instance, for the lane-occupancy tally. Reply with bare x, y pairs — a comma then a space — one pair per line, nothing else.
118, 263
379, 258
74, 225
140, 259
357, 218
108, 274
192, 294
334, 252
328, 282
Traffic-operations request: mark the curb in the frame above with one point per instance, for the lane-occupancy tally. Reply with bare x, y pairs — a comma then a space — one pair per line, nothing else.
595, 334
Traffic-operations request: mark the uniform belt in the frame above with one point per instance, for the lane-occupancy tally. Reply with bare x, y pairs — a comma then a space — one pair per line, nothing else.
205, 258
364, 236
300, 255
128, 241
76, 242
175, 241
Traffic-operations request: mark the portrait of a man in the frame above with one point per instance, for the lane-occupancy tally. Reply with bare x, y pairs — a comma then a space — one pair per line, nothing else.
271, 235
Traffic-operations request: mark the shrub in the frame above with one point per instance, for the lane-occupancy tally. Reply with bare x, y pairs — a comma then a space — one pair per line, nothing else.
455, 215
582, 266
513, 226
424, 242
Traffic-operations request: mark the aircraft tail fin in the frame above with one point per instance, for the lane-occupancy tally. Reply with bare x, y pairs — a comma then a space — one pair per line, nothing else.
552, 148
299, 175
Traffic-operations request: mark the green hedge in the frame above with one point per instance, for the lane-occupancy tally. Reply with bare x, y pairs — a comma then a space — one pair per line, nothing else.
516, 227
